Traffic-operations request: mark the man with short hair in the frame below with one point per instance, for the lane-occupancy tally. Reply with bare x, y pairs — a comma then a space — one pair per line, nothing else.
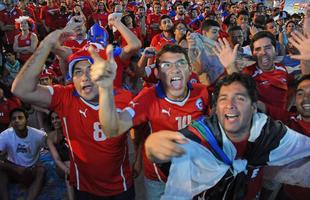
272, 79
210, 29
166, 36
234, 143
153, 21
22, 144
181, 14
99, 166
172, 104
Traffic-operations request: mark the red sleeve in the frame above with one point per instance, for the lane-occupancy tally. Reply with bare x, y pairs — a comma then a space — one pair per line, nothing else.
14, 102
60, 94
278, 113
122, 97
154, 41
138, 104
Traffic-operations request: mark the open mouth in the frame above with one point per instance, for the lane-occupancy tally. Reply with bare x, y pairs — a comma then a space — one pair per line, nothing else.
87, 88
306, 106
231, 117
176, 83
265, 60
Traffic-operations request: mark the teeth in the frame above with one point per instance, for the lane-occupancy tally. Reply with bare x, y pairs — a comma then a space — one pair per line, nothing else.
176, 78
306, 106
231, 115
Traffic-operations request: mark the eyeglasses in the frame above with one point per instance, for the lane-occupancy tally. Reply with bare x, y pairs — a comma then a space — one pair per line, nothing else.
181, 28
179, 64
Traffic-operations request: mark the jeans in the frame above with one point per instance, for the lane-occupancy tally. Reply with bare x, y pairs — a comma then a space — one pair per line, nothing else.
154, 189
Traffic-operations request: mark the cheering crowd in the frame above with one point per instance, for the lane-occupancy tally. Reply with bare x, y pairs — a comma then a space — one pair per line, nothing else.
214, 95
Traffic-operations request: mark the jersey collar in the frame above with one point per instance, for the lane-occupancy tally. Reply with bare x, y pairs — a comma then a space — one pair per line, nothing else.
94, 106
160, 92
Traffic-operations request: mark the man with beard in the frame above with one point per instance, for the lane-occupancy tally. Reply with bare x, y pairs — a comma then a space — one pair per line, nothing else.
153, 21
272, 79
166, 36
180, 14
222, 155
7, 22
22, 144
172, 104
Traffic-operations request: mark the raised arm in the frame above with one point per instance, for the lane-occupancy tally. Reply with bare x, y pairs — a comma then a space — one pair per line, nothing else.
133, 42
302, 43
25, 85
227, 55
102, 73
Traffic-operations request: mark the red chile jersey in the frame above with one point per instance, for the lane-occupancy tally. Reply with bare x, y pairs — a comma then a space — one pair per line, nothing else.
292, 120
160, 40
98, 165
26, 42
75, 45
272, 86
8, 18
151, 105
101, 18
152, 19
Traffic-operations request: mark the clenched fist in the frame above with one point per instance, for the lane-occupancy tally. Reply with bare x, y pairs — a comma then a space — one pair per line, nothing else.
103, 71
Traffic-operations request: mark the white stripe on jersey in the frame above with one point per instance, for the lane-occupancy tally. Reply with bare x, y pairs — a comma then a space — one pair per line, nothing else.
179, 103
122, 172
75, 166
154, 165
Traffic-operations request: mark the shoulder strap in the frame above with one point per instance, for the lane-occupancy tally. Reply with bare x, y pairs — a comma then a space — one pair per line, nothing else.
206, 133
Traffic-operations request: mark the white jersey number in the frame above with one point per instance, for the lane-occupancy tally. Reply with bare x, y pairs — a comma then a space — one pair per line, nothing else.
183, 121
98, 133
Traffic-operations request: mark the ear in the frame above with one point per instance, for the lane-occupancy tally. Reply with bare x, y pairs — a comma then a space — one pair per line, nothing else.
156, 72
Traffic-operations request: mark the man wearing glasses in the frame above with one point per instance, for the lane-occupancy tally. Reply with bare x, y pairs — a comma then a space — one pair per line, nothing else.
171, 104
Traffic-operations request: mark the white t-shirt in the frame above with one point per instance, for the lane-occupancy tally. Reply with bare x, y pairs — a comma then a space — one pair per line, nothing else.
22, 151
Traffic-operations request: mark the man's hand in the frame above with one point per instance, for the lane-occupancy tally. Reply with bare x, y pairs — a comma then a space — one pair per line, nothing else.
226, 54
114, 18
103, 71
302, 43
163, 145
149, 52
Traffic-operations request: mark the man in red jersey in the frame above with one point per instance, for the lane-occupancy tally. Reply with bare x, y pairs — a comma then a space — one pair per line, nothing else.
234, 143
166, 36
153, 21
133, 43
171, 104
7, 22
272, 79
100, 168
181, 14
46, 15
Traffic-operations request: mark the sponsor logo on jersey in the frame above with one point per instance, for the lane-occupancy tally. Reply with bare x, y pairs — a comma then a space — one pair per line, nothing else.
164, 111
133, 104
199, 104
27, 41
83, 112
264, 83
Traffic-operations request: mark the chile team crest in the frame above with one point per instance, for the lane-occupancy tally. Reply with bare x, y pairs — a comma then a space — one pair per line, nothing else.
199, 104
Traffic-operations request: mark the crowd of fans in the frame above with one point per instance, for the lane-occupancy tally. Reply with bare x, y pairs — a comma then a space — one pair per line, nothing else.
91, 71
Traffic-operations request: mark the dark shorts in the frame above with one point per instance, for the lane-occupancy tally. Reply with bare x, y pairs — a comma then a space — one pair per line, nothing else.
26, 177
127, 195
